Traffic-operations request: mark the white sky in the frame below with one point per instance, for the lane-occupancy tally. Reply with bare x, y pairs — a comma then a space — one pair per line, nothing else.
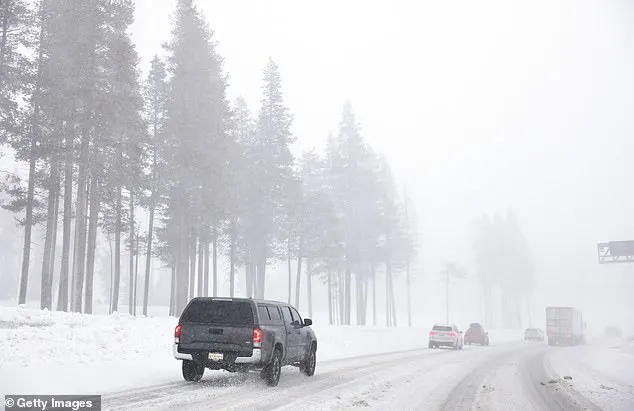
479, 106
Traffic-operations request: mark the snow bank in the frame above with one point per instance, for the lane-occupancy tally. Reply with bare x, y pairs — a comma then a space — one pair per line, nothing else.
70, 353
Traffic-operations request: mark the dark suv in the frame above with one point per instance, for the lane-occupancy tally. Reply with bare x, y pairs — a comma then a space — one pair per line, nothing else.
240, 334
476, 334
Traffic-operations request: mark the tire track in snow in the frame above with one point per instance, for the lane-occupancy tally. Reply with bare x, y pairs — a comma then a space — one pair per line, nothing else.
225, 389
538, 382
463, 396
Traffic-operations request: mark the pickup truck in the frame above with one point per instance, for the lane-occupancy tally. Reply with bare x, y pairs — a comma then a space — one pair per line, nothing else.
243, 334
564, 326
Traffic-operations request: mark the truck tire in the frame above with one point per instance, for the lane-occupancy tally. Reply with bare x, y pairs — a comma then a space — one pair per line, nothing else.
308, 365
192, 371
271, 373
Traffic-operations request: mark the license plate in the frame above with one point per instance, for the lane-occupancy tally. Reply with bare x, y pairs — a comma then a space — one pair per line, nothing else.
216, 356
442, 334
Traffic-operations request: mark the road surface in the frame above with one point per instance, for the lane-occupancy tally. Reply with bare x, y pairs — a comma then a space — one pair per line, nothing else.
510, 376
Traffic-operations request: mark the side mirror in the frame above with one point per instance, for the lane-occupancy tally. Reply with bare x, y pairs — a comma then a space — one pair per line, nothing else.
308, 322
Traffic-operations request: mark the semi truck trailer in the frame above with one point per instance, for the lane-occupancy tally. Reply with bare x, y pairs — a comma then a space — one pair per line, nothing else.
564, 326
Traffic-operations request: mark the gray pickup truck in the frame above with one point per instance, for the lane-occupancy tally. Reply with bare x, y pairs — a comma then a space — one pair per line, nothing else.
242, 334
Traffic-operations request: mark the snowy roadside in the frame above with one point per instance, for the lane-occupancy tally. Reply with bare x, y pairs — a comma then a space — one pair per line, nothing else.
602, 371
69, 353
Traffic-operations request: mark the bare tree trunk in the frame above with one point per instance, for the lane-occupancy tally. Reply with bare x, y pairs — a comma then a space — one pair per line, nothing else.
79, 253
136, 270
298, 279
214, 249
341, 290
388, 302
201, 264
131, 255
6, 11
232, 258
117, 252
248, 274
111, 275
192, 265
33, 155
95, 194
373, 272
172, 309
309, 271
260, 267
330, 302
392, 299
28, 227
348, 294
182, 269
55, 228
409, 294
206, 267
148, 258
359, 297
62, 299
290, 275
51, 223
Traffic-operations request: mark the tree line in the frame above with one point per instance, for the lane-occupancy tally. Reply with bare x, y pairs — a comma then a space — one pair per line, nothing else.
504, 267
104, 146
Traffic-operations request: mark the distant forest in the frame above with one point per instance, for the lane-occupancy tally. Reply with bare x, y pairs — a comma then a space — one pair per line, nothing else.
211, 178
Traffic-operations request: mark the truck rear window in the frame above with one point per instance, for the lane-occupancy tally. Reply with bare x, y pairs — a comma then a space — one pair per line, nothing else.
442, 328
218, 312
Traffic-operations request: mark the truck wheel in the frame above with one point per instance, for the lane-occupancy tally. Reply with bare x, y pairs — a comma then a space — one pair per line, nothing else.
192, 371
271, 373
308, 366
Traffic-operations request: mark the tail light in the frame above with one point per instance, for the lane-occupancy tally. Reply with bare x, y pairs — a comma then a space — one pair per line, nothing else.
432, 333
452, 334
257, 337
177, 333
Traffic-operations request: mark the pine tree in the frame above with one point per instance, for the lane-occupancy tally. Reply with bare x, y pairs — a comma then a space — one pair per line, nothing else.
267, 201
155, 93
196, 140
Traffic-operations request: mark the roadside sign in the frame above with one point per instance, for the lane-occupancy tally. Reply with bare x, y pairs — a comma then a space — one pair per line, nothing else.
616, 252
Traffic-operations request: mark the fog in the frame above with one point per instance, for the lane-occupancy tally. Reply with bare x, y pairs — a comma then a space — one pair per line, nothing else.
479, 108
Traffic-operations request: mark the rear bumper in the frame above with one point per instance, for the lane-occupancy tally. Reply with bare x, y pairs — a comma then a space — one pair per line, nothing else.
255, 358
477, 340
444, 343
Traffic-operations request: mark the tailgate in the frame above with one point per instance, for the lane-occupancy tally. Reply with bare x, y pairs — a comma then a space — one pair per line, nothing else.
210, 337
210, 324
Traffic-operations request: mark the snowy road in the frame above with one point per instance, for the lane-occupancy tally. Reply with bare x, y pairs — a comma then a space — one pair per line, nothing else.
511, 376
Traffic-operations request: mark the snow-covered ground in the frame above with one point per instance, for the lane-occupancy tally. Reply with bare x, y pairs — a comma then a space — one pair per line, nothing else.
602, 371
70, 353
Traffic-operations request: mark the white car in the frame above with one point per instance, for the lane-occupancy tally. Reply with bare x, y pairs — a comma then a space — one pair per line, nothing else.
533, 334
444, 335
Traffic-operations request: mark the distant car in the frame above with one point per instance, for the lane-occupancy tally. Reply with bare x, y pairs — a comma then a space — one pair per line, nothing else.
533, 334
476, 334
444, 335
242, 334
613, 332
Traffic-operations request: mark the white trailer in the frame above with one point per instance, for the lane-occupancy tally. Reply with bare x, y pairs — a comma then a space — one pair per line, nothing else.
564, 326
